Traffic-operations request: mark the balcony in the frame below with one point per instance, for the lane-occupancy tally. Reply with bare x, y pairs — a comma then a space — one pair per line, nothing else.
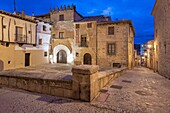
20, 38
83, 44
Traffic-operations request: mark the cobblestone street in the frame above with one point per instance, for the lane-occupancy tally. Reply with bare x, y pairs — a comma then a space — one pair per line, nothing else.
137, 91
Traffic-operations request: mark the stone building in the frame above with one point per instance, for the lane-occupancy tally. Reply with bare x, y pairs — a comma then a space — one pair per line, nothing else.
149, 54
18, 41
162, 37
90, 40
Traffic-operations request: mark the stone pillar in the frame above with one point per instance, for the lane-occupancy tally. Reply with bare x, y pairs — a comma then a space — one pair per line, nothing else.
85, 82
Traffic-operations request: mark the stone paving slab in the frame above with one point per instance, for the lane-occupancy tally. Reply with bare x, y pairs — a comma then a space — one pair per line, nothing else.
147, 92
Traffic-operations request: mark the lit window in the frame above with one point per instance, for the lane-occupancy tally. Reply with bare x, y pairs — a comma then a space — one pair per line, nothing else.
111, 48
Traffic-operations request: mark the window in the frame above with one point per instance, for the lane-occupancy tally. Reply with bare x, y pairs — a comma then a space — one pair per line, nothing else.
61, 35
110, 30
45, 54
83, 42
29, 32
77, 26
89, 25
61, 17
40, 41
111, 48
19, 34
44, 28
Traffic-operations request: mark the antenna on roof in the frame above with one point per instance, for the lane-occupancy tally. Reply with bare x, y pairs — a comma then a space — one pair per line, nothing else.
14, 6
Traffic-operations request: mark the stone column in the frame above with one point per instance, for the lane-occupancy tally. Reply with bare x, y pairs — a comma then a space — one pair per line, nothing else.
85, 82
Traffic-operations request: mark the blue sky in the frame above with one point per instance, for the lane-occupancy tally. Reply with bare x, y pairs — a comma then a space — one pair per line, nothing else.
139, 11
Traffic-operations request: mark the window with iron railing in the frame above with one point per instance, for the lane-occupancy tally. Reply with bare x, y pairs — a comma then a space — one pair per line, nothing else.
83, 42
20, 37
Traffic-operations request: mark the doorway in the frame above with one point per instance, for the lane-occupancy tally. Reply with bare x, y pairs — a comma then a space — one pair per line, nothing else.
62, 57
87, 59
1, 65
27, 59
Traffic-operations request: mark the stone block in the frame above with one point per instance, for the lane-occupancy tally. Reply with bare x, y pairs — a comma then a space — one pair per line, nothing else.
68, 93
12, 82
22, 84
57, 91
4, 81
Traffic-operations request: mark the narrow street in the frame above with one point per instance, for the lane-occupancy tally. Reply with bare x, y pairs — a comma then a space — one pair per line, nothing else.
138, 91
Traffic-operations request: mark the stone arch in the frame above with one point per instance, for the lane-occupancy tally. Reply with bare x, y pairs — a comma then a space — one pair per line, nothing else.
87, 59
62, 47
1, 65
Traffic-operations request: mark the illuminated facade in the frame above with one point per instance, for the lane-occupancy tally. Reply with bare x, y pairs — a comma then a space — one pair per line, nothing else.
90, 40
162, 37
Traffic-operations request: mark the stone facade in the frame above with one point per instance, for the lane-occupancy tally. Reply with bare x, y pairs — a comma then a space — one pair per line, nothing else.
162, 37
122, 39
84, 40
18, 41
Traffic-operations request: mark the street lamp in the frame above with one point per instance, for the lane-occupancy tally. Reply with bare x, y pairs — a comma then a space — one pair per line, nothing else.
149, 46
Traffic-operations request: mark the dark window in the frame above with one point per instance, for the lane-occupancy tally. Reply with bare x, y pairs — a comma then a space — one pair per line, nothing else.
110, 30
77, 26
111, 49
29, 32
61, 17
61, 35
165, 46
44, 28
50, 29
89, 25
156, 32
83, 42
45, 54
40, 41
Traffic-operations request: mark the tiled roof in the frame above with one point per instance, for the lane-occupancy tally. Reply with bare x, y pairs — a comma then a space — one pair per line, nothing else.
99, 18
17, 16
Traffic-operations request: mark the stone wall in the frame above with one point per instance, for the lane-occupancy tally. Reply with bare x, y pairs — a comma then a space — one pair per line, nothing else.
123, 42
85, 84
61, 88
162, 37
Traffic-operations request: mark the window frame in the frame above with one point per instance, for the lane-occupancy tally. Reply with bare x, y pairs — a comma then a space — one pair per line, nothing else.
60, 35
110, 32
61, 17
89, 25
110, 50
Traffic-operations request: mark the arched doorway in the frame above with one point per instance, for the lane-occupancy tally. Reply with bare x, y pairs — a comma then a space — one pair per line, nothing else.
87, 59
61, 57
1, 65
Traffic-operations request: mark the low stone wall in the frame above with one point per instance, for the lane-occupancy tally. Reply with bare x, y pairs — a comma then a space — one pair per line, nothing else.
61, 88
84, 85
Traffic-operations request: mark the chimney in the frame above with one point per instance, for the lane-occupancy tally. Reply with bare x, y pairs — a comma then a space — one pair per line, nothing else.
23, 15
108, 18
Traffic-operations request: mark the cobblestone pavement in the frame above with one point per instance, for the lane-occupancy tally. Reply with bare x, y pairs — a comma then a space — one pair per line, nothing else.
138, 91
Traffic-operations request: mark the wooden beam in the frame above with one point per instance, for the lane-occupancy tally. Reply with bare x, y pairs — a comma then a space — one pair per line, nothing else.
9, 25
2, 24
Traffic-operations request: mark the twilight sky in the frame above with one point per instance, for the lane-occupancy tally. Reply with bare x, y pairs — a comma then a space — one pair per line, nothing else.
139, 11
